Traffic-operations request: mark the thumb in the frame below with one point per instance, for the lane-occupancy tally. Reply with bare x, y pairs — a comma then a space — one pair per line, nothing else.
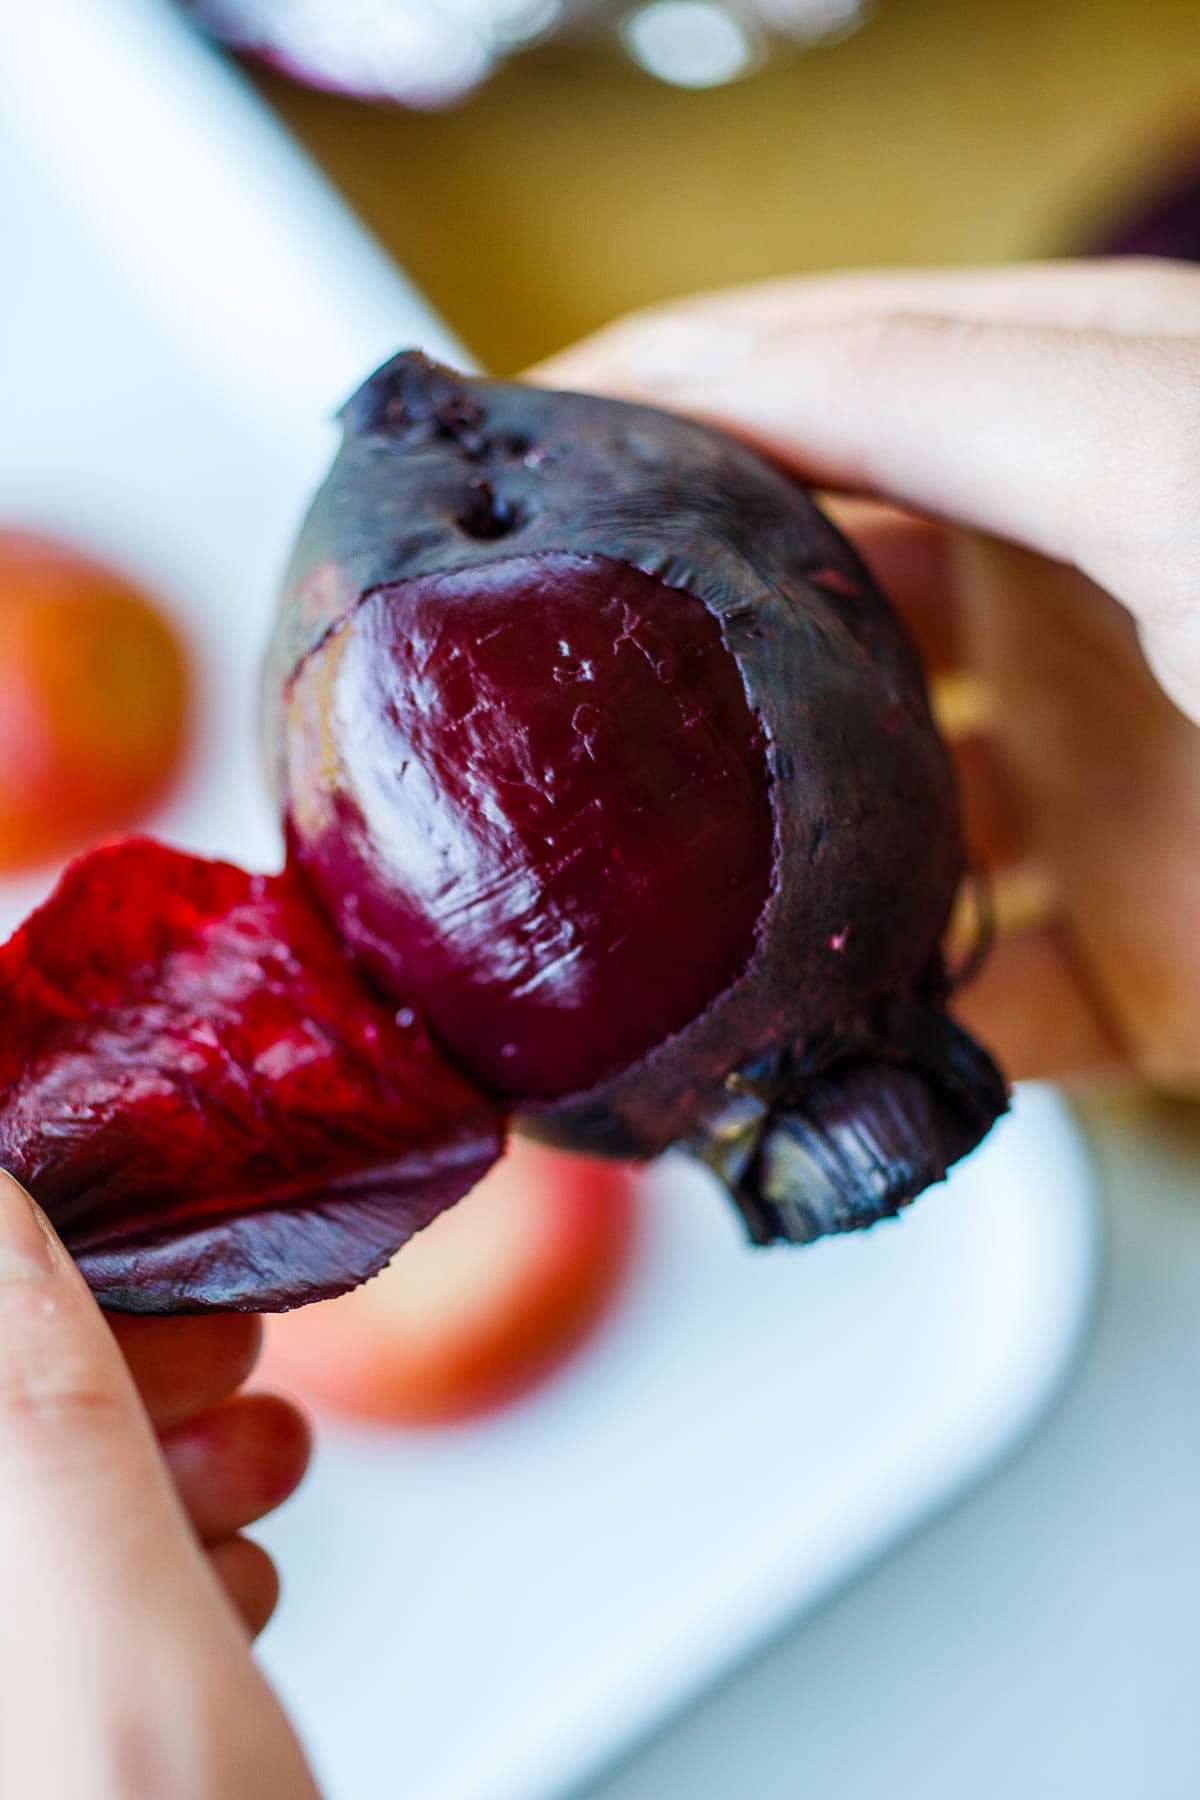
82, 1478
108, 1597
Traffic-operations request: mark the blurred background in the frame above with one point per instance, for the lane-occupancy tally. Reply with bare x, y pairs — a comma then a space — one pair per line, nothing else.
572, 186
536, 170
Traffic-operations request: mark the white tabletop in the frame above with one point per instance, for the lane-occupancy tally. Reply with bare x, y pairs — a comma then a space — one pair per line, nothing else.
1041, 1639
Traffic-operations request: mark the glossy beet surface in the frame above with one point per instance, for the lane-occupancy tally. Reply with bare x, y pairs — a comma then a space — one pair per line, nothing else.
534, 799
593, 733
206, 1100
612, 799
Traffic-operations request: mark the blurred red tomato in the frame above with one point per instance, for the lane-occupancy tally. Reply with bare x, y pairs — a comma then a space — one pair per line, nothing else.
479, 1307
93, 700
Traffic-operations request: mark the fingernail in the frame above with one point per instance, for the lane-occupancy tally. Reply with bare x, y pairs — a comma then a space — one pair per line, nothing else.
24, 1247
687, 351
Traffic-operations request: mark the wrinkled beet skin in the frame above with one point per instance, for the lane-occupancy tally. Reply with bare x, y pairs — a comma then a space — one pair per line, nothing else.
541, 765
440, 475
211, 1107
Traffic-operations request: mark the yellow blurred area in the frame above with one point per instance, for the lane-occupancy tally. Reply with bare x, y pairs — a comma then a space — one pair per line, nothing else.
573, 188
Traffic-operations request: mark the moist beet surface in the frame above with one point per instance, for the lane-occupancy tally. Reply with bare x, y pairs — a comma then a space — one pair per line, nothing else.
534, 801
211, 1107
612, 798
449, 501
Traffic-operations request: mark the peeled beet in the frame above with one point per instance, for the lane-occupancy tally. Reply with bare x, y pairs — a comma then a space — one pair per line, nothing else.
596, 739
612, 800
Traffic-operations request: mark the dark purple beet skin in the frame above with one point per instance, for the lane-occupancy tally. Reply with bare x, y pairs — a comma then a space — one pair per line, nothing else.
596, 739
613, 802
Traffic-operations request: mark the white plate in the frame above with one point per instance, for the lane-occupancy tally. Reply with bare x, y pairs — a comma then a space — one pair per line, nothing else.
487, 1615
492, 1614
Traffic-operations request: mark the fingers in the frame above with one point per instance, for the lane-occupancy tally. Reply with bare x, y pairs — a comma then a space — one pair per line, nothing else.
231, 1466
1057, 408
1139, 295
1077, 442
230, 1463
249, 1578
995, 822
238, 1462
92, 1539
1032, 1002
911, 560
79, 1458
1109, 773
86, 1506
1172, 651
109, 1600
184, 1366
1073, 445
1029, 1006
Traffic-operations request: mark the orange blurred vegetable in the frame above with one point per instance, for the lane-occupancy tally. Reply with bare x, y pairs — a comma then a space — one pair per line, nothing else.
93, 700
481, 1306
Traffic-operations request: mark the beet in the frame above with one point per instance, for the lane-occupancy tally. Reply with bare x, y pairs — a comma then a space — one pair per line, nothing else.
613, 802
205, 1099
562, 758
597, 741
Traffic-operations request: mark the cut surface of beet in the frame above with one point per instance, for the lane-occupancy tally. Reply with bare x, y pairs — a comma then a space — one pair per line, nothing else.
210, 1105
534, 798
592, 730
612, 795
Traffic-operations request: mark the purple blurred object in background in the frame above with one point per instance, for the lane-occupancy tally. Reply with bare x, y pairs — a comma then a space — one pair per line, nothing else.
1165, 220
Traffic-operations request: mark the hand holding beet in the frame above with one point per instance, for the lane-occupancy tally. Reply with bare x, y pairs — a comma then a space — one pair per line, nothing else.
1052, 406
599, 745
612, 801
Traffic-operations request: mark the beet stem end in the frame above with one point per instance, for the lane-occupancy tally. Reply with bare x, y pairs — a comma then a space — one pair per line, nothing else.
859, 1142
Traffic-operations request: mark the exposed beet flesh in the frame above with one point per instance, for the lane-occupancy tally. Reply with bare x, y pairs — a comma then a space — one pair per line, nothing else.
786, 1021
209, 1104
534, 800
612, 799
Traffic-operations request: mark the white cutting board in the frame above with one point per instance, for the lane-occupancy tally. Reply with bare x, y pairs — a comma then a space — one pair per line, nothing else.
488, 1614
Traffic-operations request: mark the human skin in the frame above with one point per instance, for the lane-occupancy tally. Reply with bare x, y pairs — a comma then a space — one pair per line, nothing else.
1021, 452
125, 1666
1016, 452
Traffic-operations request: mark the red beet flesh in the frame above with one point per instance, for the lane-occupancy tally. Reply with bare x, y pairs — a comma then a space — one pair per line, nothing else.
694, 987
206, 1100
533, 799
612, 799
